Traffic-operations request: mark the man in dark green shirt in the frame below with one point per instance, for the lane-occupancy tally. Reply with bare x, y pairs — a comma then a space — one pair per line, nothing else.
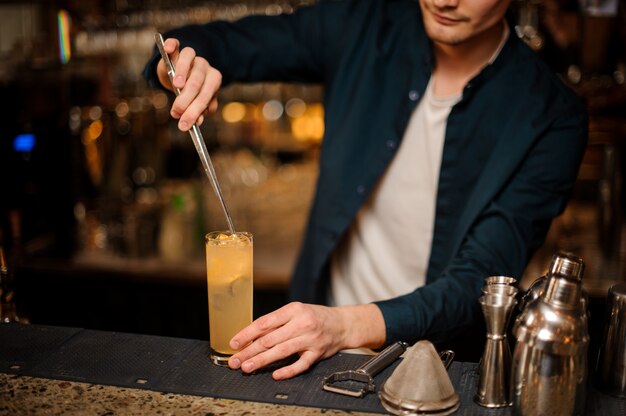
513, 140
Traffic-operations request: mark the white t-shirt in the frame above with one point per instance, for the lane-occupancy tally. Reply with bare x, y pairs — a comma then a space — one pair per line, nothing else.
385, 253
386, 250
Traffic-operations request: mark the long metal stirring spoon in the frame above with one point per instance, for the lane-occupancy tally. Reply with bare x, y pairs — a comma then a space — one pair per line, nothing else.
196, 137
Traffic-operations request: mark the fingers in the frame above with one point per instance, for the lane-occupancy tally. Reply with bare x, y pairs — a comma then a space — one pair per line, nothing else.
255, 356
273, 346
279, 352
213, 105
295, 328
312, 331
171, 46
198, 94
261, 326
163, 76
182, 65
305, 362
199, 83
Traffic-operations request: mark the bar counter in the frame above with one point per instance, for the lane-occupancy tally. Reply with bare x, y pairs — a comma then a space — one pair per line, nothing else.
22, 395
72, 371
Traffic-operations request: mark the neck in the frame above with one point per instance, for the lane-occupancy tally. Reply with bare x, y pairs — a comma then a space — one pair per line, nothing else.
456, 64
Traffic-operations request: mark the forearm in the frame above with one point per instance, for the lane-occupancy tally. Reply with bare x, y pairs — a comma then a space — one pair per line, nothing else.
298, 47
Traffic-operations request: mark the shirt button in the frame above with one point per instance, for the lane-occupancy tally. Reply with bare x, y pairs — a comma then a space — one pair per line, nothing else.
360, 189
391, 144
414, 95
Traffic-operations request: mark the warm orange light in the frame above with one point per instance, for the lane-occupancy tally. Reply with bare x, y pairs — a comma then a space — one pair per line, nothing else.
234, 112
258, 112
317, 128
94, 163
315, 109
95, 130
299, 129
308, 128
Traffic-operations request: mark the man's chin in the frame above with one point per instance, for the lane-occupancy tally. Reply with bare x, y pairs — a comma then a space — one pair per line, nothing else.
447, 39
444, 35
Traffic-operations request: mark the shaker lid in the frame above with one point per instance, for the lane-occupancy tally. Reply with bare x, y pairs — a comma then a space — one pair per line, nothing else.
567, 265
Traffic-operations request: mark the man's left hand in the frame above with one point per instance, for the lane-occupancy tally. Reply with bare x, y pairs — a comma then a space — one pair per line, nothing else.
313, 332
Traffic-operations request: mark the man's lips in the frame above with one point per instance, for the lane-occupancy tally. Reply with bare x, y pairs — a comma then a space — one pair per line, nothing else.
445, 20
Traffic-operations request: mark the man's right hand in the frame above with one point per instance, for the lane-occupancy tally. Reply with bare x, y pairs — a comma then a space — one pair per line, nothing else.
197, 81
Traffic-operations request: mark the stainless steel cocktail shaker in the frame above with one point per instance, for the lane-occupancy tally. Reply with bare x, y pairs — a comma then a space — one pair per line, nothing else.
549, 371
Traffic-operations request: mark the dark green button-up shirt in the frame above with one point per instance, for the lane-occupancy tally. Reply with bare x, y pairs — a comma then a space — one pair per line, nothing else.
512, 147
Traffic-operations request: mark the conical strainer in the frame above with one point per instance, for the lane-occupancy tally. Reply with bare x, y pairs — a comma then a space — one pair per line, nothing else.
420, 385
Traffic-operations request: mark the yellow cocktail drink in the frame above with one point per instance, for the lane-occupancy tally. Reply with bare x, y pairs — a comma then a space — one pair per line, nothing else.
229, 282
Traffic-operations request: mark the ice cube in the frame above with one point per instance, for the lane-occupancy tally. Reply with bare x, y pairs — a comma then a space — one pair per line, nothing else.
218, 301
237, 285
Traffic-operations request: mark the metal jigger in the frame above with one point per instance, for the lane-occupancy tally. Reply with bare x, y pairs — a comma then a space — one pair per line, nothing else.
493, 384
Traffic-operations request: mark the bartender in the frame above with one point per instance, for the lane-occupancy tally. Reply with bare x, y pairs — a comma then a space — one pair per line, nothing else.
449, 147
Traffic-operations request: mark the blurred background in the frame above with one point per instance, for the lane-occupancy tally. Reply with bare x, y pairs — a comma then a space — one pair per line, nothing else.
104, 204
